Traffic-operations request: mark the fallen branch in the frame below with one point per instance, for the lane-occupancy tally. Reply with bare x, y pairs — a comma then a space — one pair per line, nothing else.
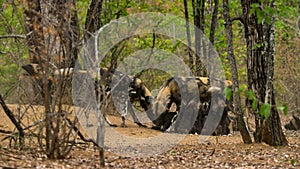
5, 131
11, 116
100, 149
79, 132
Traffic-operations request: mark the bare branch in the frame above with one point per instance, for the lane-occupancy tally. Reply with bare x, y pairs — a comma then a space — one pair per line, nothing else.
11, 116
12, 36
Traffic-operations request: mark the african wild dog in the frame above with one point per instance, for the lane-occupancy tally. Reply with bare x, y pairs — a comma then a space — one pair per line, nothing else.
170, 94
138, 92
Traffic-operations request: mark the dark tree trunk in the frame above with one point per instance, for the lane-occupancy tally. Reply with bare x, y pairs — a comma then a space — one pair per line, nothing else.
260, 60
35, 37
188, 34
198, 11
34, 30
74, 35
214, 21
272, 133
255, 61
272, 130
234, 73
68, 30
93, 19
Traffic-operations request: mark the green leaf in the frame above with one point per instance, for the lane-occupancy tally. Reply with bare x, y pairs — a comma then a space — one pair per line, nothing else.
228, 93
242, 89
254, 8
26, 56
250, 95
265, 110
293, 161
260, 16
283, 108
254, 104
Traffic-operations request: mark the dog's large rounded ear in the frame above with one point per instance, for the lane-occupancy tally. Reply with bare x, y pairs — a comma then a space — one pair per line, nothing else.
228, 83
136, 82
204, 80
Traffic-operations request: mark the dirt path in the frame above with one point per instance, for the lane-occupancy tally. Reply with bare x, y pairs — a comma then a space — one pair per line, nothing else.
138, 147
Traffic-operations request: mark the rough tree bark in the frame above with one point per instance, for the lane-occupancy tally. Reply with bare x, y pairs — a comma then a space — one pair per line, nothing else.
214, 21
35, 37
198, 12
260, 68
272, 130
68, 30
234, 74
188, 33
34, 30
93, 19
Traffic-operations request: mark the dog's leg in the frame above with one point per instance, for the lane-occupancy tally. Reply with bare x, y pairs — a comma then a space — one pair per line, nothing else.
124, 113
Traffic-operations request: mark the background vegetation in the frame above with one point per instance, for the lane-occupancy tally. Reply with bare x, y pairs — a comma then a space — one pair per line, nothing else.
15, 50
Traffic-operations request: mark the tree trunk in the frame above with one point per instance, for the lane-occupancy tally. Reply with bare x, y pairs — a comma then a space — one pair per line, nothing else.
188, 34
93, 19
198, 11
234, 73
272, 131
34, 30
260, 60
214, 21
255, 62
68, 31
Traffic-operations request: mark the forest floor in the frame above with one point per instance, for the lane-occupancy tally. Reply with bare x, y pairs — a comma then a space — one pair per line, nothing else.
193, 151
